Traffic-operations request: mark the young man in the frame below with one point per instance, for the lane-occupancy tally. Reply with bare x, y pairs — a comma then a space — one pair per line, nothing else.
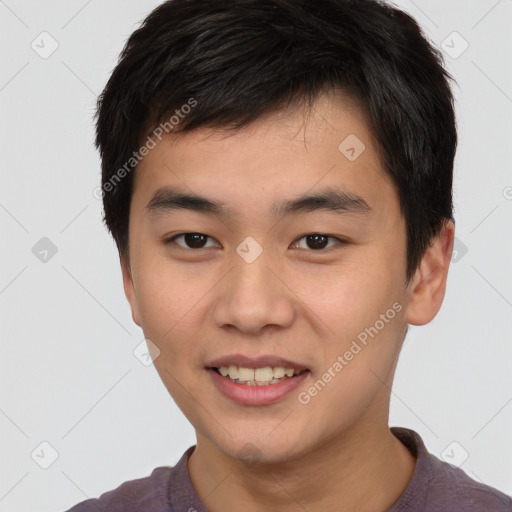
277, 175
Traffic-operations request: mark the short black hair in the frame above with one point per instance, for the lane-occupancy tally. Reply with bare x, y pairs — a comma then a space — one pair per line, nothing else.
232, 62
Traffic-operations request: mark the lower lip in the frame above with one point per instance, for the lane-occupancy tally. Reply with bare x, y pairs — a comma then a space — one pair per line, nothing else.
256, 395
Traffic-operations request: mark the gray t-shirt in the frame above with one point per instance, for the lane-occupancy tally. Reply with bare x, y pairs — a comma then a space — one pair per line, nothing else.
436, 486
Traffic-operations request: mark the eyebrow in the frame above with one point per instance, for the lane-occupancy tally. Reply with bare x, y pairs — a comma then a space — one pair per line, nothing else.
167, 199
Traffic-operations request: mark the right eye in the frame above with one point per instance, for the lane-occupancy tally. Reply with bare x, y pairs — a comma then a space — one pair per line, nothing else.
193, 241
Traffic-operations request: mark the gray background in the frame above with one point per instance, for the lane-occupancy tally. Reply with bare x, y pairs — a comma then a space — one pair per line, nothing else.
68, 374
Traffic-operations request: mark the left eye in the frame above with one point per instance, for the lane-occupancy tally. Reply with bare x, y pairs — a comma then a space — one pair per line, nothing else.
315, 241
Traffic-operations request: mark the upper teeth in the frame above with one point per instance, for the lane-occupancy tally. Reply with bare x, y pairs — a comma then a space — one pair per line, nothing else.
265, 374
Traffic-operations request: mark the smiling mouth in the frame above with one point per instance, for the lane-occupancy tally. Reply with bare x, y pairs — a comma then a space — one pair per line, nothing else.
265, 376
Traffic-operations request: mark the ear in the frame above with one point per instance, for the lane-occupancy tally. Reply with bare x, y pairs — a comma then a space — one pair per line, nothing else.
129, 290
428, 286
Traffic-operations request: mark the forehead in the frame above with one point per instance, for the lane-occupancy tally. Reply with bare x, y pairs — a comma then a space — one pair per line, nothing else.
278, 157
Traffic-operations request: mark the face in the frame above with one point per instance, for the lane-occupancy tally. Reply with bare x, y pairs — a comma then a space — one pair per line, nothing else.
317, 286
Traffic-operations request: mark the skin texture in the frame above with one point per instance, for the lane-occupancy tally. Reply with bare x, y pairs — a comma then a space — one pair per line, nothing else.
293, 301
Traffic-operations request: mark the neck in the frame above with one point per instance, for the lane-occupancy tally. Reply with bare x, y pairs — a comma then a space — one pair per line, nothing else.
363, 469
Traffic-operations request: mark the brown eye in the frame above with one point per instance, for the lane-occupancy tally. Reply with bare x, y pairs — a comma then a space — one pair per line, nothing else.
317, 241
191, 240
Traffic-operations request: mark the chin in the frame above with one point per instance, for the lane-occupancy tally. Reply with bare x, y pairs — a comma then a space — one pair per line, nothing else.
258, 447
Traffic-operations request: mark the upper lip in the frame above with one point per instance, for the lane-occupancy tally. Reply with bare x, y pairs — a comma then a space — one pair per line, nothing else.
254, 362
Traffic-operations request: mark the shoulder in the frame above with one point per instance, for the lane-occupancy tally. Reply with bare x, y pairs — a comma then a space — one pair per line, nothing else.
451, 488
148, 494
437, 485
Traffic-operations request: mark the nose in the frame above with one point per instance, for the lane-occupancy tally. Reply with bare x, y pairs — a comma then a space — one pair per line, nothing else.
254, 296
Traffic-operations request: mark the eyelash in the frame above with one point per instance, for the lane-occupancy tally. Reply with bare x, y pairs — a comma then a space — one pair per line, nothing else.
172, 239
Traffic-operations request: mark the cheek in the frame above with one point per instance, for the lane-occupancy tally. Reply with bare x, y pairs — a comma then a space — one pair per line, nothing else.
362, 305
170, 303
167, 290
353, 375
174, 303
351, 296
164, 296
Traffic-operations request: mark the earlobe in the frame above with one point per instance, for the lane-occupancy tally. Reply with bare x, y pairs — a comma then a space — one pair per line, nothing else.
427, 289
129, 290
